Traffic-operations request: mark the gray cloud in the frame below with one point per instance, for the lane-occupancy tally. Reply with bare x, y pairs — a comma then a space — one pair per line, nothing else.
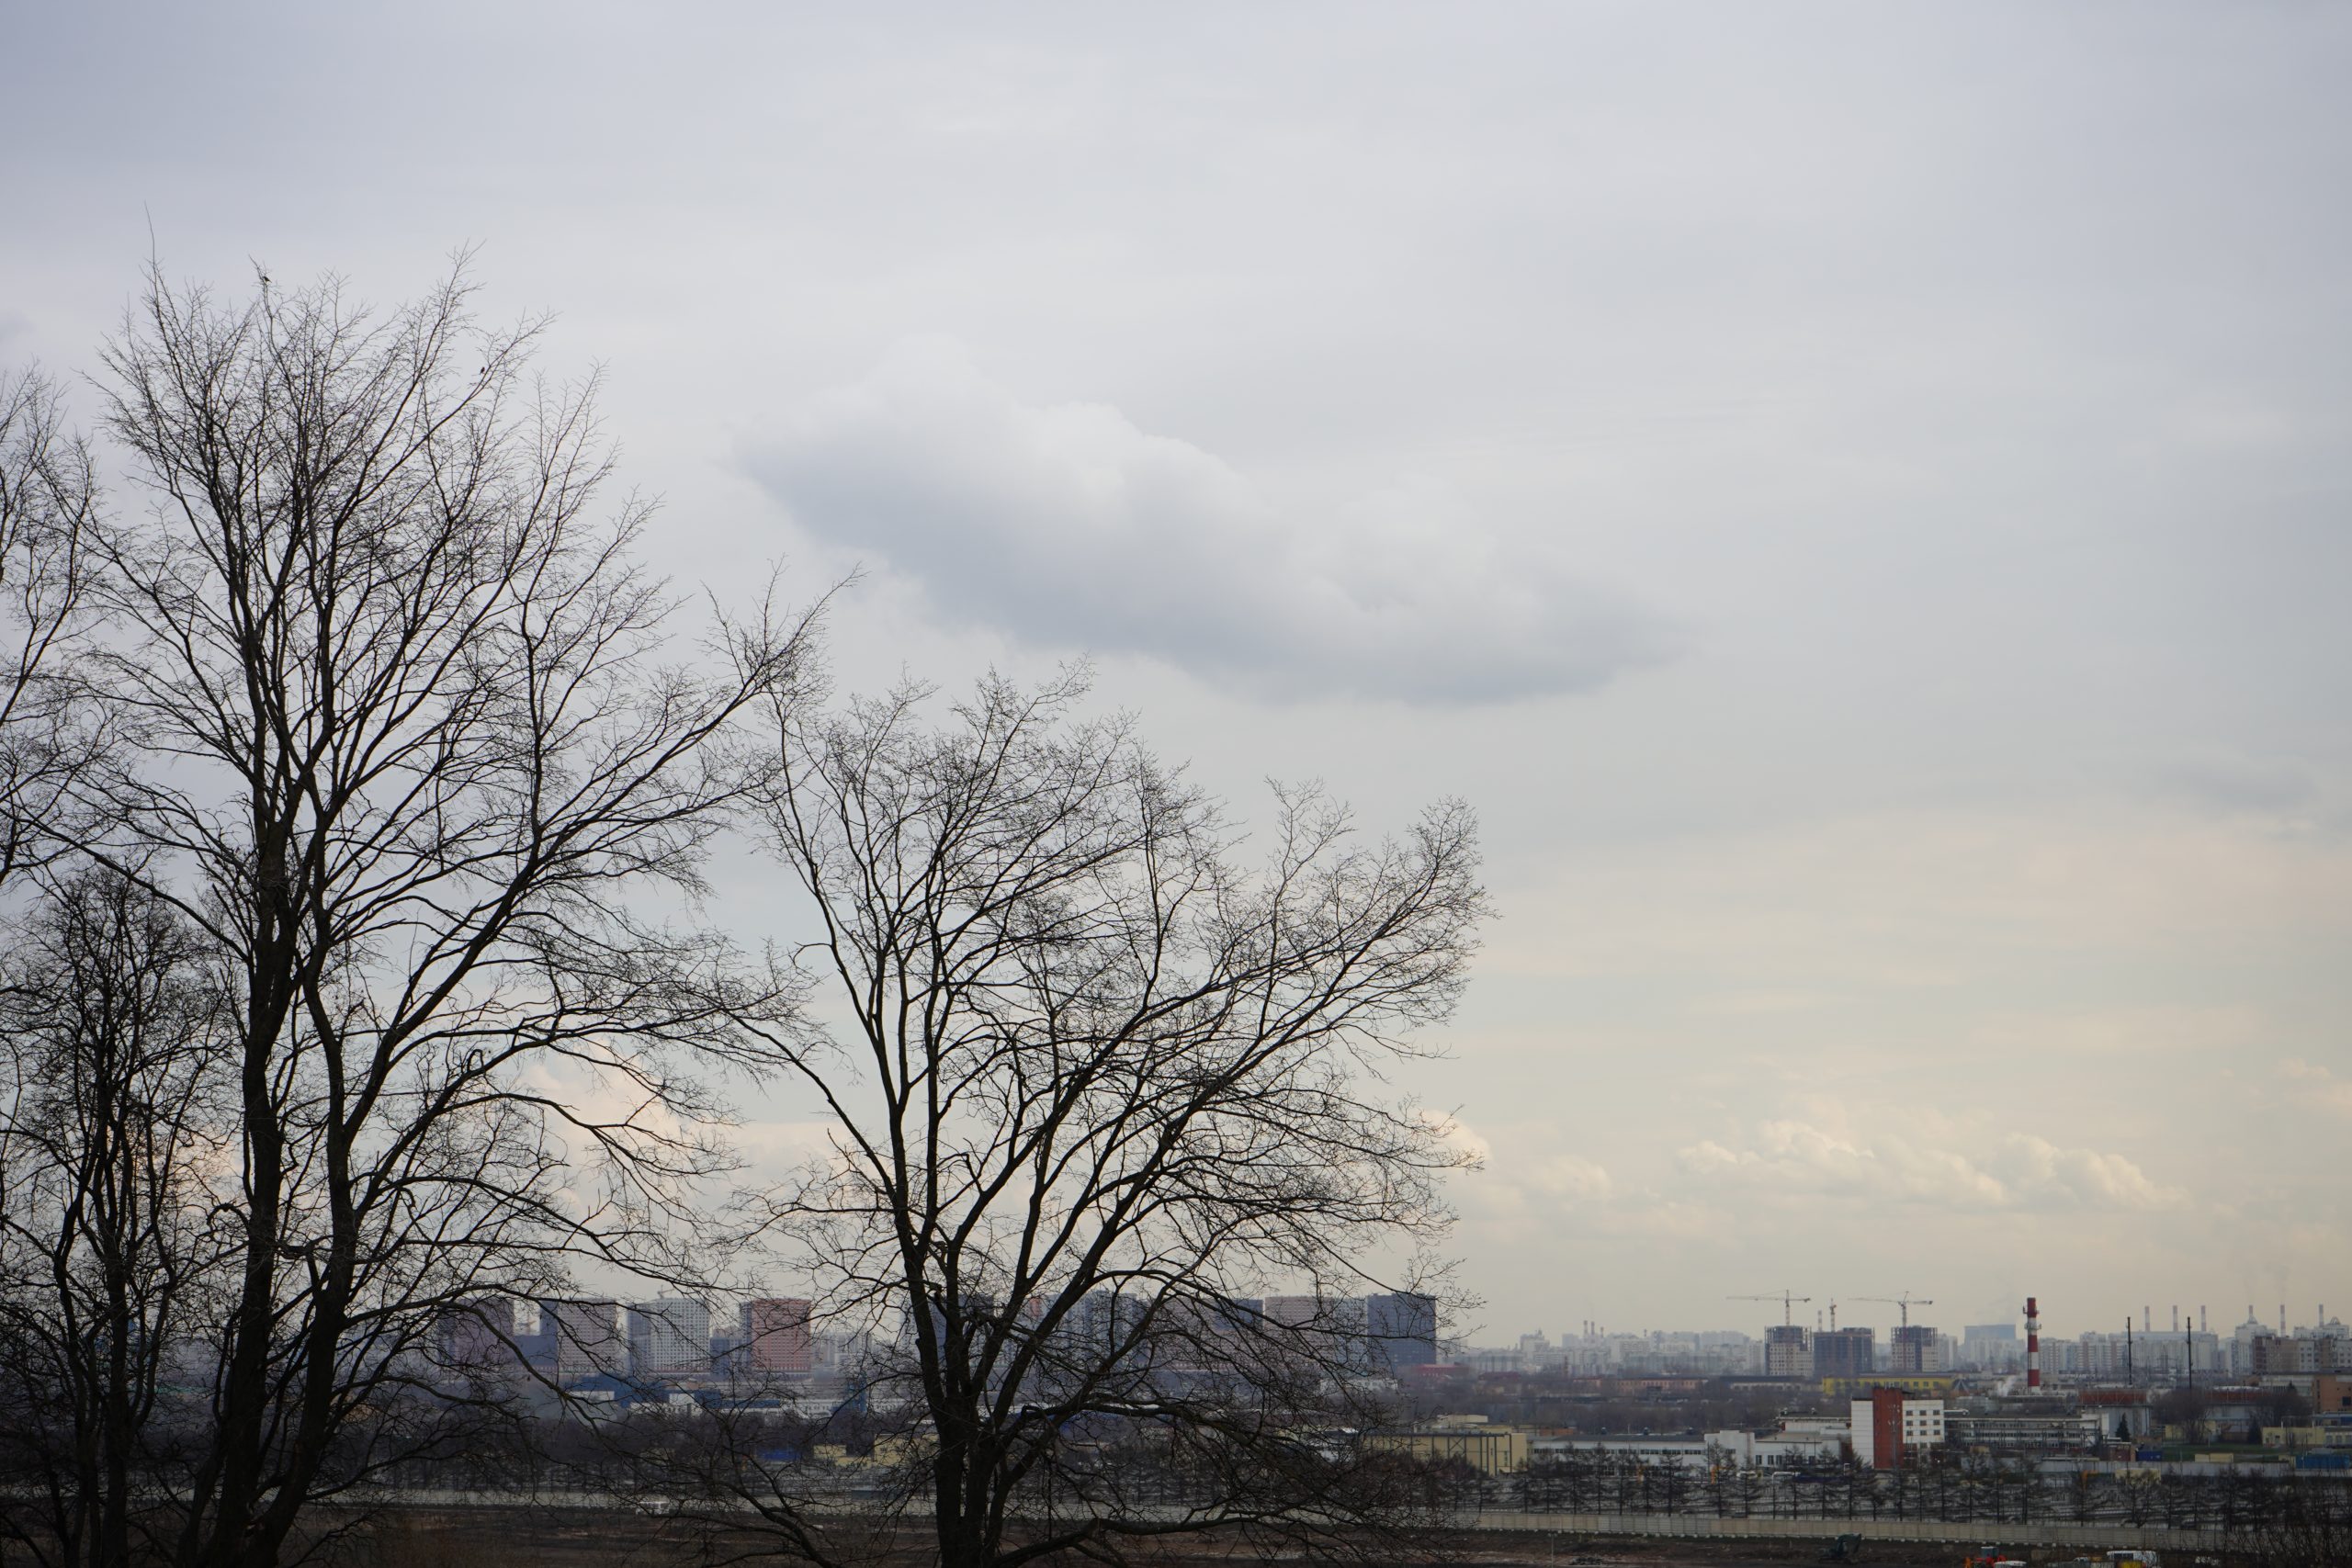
1067, 526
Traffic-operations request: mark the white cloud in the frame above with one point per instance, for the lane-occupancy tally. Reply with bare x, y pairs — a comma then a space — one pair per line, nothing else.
2318, 1086
2043, 1175
1533, 1197
2014, 1171
1069, 526
1528, 1181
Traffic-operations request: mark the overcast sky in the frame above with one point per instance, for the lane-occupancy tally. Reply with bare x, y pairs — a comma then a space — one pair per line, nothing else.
1856, 495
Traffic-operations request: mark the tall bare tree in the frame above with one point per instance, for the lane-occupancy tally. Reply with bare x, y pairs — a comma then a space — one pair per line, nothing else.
1097, 1087
49, 500
111, 1134
409, 744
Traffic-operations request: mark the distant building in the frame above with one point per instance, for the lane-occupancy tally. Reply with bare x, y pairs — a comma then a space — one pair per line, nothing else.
1914, 1349
1691, 1453
536, 1345
1924, 1385
2009, 1431
478, 1336
1471, 1439
588, 1339
777, 1339
1890, 1426
1788, 1351
1991, 1346
1800, 1441
2277, 1355
1382, 1335
1845, 1353
1292, 1312
2144, 1356
669, 1337
1401, 1329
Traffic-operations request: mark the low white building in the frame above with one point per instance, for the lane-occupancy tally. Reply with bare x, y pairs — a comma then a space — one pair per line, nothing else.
1810, 1444
1800, 1441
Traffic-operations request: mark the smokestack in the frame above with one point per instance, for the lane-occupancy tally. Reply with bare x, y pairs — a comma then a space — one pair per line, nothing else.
2203, 1326
2032, 1344
2148, 1320
2282, 1318
2176, 1320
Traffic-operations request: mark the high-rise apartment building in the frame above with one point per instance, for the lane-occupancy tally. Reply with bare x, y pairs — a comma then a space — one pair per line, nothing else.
2275, 1355
1788, 1351
1366, 1334
1401, 1329
1845, 1353
669, 1337
588, 1339
776, 1336
478, 1336
1914, 1349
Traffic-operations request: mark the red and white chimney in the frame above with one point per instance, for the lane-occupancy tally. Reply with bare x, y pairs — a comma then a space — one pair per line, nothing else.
2032, 1344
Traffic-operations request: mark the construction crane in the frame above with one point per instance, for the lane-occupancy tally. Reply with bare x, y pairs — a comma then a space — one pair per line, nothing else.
1788, 1300
1905, 1302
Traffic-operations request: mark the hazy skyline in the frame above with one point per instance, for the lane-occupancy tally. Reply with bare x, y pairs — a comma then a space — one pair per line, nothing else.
1855, 495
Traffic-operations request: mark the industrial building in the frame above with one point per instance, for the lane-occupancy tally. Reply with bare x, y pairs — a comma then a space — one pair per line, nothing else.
1923, 1385
1890, 1426
1485, 1446
2041, 1427
1799, 1441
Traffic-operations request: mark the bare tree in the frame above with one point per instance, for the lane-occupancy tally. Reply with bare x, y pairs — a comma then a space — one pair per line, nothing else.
1751, 1485
409, 747
110, 1131
1096, 1089
2087, 1492
49, 499
2305, 1523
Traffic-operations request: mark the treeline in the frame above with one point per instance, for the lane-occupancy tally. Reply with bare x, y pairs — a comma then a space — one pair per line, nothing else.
1950, 1486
